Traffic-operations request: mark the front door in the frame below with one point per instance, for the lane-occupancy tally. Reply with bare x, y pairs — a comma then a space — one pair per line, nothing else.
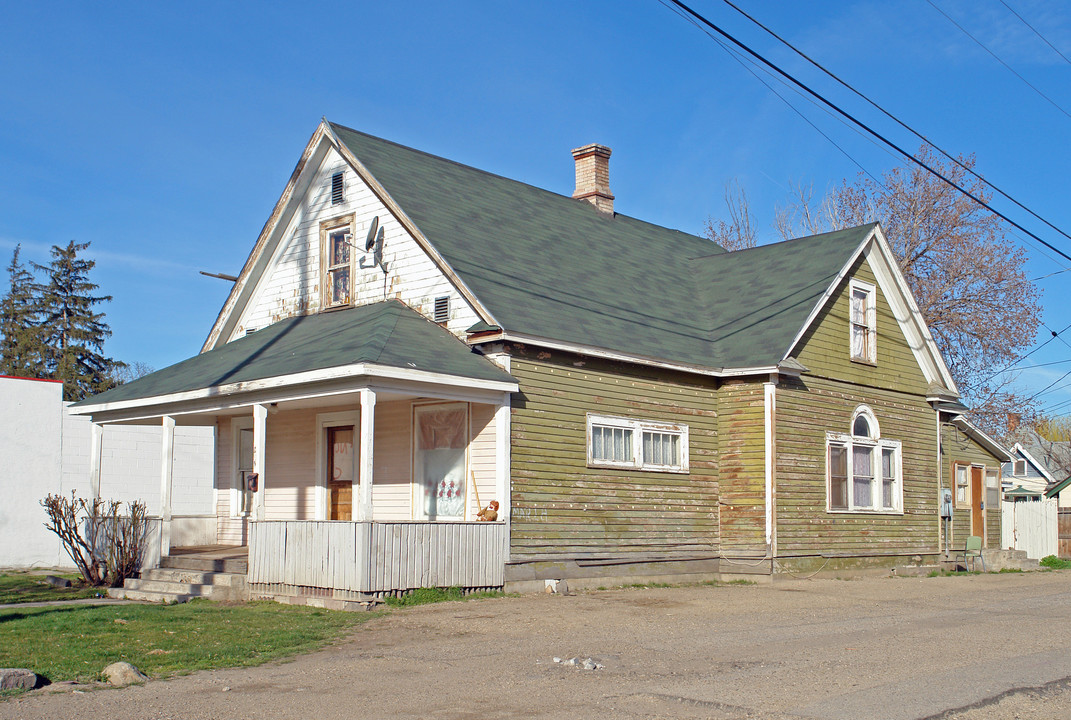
977, 516
340, 472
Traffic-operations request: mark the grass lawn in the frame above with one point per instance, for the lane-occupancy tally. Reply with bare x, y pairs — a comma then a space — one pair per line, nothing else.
77, 642
24, 587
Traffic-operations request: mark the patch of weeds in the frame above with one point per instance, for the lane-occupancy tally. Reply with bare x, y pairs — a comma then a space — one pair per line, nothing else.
424, 596
1009, 570
648, 586
1054, 563
739, 581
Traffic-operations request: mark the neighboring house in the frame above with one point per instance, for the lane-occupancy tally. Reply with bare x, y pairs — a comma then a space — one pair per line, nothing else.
1035, 481
412, 338
46, 450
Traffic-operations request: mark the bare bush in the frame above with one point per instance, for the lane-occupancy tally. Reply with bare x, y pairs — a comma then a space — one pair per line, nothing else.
106, 546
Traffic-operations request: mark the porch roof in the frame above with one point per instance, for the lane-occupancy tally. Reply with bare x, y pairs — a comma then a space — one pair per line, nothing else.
386, 334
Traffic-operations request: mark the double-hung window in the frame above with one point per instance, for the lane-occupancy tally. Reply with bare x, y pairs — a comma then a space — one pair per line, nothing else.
336, 241
863, 320
864, 470
638, 444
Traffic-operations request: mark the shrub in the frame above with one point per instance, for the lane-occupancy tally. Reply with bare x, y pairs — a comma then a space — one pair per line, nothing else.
1051, 561
109, 550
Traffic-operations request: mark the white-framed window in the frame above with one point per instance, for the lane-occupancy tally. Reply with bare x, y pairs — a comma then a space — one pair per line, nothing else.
962, 474
863, 321
440, 461
618, 442
336, 261
1019, 468
864, 470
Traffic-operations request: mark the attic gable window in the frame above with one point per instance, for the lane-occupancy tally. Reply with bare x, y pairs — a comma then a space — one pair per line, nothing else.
1019, 468
336, 262
337, 188
863, 321
442, 309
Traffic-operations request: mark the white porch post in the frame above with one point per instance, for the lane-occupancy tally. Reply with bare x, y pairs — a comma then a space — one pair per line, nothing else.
167, 462
260, 423
95, 444
364, 472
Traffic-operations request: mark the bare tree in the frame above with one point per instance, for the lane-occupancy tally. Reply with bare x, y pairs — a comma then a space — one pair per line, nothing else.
739, 232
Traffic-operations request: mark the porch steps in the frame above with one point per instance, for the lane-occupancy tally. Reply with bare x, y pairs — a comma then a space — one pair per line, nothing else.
182, 578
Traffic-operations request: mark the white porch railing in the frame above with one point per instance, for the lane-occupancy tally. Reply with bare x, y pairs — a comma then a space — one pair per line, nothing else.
372, 557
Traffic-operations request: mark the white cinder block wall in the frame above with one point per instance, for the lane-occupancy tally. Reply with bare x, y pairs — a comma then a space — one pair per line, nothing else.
44, 449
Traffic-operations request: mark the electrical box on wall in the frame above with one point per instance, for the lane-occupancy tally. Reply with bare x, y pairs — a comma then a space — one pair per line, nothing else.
946, 503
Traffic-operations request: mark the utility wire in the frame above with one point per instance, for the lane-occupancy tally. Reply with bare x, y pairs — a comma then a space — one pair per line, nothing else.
997, 58
865, 127
892, 117
1043, 38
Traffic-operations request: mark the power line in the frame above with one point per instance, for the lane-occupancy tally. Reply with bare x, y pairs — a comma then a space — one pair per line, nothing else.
864, 126
889, 115
997, 58
1043, 38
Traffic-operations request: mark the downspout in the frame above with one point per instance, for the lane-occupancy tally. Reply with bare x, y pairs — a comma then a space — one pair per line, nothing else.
942, 538
769, 412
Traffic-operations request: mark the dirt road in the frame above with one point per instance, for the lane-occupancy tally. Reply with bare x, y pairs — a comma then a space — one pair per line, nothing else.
959, 647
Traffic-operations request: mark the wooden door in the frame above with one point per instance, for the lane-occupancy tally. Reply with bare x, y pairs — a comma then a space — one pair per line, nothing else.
1064, 532
977, 497
339, 466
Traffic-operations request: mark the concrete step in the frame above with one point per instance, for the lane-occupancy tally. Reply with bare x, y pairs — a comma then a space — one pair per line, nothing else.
174, 588
125, 594
194, 577
202, 564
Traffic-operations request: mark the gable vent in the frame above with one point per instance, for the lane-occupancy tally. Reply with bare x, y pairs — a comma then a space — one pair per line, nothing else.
442, 309
336, 189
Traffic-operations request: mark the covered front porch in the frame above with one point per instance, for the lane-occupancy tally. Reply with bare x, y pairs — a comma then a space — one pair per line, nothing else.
347, 481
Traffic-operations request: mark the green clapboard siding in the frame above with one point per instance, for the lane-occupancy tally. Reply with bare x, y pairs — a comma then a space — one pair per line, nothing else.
741, 429
824, 349
809, 407
562, 507
957, 447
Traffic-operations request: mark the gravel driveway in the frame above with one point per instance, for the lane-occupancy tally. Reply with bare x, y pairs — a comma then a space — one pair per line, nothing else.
972, 648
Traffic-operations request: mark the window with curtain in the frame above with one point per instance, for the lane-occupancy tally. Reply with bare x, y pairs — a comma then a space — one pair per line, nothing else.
439, 463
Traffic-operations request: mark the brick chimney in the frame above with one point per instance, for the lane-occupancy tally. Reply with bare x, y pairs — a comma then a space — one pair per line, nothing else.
593, 176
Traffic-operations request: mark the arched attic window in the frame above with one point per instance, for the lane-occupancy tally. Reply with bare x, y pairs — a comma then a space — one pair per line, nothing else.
864, 470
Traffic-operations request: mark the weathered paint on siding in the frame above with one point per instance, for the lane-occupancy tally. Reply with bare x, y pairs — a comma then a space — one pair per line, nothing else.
562, 507
959, 448
825, 349
809, 407
291, 284
742, 467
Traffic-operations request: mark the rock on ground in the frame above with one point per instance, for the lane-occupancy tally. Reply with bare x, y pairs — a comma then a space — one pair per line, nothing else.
17, 679
123, 673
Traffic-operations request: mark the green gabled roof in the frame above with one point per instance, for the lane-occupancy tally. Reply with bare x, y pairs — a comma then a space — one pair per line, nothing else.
387, 333
552, 267
1022, 492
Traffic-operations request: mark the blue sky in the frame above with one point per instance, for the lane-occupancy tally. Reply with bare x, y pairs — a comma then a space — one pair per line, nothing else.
164, 133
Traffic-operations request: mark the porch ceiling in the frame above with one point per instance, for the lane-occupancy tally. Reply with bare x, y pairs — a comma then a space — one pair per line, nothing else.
386, 340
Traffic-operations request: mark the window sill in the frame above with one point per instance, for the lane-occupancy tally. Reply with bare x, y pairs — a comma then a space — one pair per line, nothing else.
865, 512
864, 361
636, 468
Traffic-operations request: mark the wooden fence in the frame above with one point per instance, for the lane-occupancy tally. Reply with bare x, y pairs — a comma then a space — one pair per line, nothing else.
371, 557
1030, 526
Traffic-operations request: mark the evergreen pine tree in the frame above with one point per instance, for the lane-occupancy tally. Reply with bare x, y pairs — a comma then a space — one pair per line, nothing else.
73, 332
22, 352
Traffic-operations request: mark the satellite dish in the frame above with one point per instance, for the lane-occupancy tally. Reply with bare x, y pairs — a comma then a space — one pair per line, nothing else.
377, 255
370, 239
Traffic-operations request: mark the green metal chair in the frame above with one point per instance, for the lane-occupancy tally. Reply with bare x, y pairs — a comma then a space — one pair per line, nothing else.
973, 549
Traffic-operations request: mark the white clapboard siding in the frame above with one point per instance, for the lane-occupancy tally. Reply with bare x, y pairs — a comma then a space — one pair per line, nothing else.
392, 462
290, 466
291, 285
482, 455
376, 557
1030, 526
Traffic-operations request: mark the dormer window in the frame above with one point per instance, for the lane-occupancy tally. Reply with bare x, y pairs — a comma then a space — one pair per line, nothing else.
863, 321
336, 262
